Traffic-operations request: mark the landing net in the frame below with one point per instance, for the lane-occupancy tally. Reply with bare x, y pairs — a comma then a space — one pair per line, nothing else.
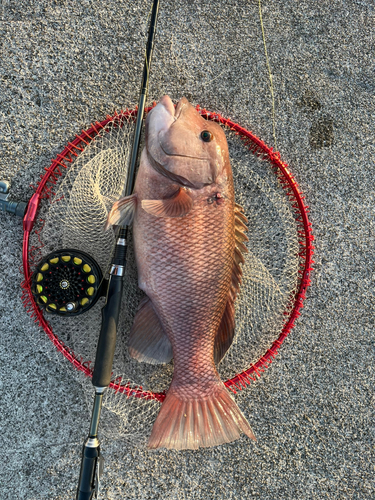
73, 199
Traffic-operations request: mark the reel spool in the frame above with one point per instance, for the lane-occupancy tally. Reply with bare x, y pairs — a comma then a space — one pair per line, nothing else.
67, 283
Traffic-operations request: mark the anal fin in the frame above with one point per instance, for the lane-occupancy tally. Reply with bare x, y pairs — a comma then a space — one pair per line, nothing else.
148, 341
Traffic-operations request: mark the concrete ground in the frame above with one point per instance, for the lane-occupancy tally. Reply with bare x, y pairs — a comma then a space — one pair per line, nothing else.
65, 64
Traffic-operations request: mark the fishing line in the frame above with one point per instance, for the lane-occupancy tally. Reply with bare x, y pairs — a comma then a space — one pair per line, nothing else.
269, 74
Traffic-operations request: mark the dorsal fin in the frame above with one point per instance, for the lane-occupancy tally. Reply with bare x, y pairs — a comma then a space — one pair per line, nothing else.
240, 217
240, 236
240, 249
225, 334
238, 257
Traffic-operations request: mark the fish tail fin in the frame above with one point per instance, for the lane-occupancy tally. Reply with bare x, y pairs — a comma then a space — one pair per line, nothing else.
194, 423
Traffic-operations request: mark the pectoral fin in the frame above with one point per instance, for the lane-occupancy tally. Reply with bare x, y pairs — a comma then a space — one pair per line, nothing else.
122, 212
178, 205
148, 341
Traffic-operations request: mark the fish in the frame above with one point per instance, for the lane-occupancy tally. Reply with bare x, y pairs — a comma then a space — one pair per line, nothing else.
189, 240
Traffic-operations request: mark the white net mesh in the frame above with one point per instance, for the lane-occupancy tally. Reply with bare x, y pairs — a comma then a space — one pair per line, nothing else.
74, 218
91, 185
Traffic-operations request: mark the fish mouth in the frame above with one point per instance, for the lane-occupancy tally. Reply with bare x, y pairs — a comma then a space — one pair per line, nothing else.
169, 175
182, 155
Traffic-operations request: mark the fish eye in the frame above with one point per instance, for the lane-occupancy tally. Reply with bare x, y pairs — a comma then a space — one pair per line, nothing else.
206, 136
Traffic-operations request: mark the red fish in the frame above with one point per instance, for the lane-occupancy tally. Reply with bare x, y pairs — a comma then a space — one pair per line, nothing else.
189, 239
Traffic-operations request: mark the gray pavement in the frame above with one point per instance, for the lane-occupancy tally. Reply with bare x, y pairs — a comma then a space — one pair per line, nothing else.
65, 64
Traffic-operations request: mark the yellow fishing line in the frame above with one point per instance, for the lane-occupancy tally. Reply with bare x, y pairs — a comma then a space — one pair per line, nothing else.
146, 62
270, 75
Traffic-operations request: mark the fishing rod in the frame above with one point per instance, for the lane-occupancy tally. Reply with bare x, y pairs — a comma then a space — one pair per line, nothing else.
92, 460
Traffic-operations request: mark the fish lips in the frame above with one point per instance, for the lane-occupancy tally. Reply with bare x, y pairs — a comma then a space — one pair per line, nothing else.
174, 143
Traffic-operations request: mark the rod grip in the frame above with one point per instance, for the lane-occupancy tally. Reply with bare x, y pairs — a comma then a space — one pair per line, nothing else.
107, 338
86, 485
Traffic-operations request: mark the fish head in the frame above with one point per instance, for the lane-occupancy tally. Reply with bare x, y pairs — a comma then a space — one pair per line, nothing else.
185, 147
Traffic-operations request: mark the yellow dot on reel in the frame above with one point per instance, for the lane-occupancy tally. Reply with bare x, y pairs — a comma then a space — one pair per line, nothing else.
52, 306
90, 291
44, 298
66, 258
62, 309
54, 261
39, 288
44, 267
91, 279
86, 268
84, 301
39, 277
77, 261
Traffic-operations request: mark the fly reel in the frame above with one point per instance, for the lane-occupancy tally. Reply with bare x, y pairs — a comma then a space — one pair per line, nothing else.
67, 282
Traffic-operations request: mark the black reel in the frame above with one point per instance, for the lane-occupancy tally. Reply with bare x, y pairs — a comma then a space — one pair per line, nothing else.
67, 282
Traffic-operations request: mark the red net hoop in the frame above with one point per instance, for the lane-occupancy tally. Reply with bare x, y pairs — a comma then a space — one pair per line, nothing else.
45, 190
